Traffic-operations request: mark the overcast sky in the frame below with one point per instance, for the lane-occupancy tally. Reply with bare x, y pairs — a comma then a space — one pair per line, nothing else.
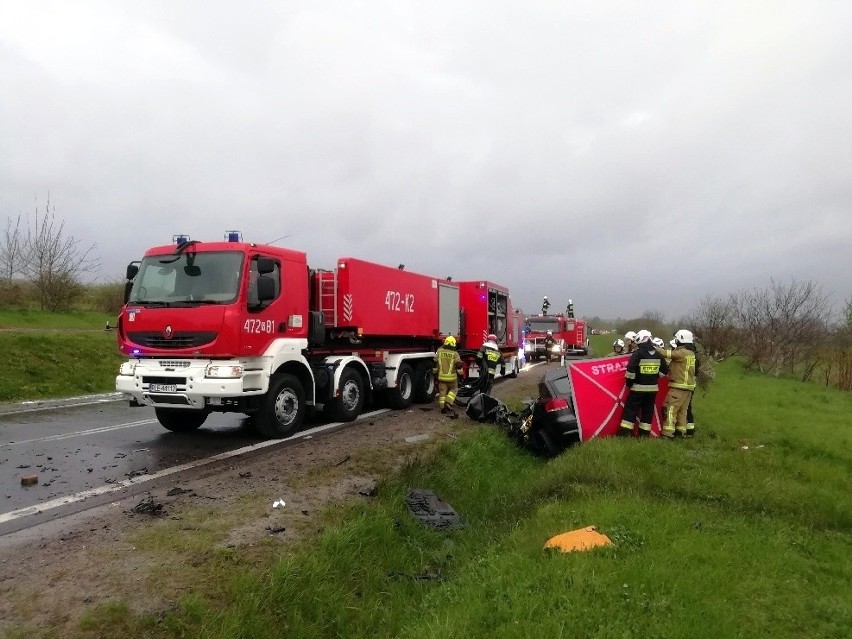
629, 155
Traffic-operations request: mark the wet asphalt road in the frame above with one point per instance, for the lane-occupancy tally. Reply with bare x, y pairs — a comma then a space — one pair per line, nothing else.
75, 449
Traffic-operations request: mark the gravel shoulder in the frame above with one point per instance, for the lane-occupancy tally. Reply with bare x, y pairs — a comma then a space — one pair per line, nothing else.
50, 577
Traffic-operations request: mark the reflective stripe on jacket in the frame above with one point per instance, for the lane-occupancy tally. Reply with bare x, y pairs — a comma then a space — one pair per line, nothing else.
446, 362
644, 369
491, 358
682, 368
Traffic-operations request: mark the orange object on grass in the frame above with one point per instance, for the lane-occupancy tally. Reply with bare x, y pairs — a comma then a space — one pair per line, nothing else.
581, 539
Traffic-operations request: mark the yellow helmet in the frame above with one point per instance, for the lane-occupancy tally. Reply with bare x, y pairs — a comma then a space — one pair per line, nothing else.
449, 340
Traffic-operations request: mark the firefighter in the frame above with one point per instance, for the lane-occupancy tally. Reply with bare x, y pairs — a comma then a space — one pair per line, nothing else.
617, 348
681, 384
448, 364
489, 357
643, 372
630, 339
549, 343
690, 418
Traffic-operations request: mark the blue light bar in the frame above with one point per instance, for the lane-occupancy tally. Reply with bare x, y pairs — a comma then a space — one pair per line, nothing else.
180, 239
233, 236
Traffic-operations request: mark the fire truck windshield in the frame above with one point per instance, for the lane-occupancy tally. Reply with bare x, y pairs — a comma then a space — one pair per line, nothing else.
542, 325
188, 278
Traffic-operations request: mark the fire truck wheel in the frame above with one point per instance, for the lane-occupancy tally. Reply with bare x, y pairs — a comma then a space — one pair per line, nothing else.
424, 383
180, 421
348, 406
283, 408
403, 394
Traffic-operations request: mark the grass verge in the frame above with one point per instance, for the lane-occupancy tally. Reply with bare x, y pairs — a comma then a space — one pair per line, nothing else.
743, 531
43, 364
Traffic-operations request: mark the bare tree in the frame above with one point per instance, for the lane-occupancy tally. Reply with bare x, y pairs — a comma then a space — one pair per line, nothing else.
783, 327
55, 262
12, 249
713, 323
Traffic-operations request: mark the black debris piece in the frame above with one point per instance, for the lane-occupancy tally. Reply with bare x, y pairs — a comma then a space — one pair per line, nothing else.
149, 506
177, 491
431, 510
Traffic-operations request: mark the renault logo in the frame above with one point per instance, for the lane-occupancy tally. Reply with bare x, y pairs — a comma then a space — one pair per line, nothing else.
168, 332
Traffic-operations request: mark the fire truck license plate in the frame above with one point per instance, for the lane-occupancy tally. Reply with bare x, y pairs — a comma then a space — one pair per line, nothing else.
163, 388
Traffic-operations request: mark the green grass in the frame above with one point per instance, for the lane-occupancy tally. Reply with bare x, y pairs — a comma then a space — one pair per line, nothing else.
600, 345
43, 364
711, 539
70, 320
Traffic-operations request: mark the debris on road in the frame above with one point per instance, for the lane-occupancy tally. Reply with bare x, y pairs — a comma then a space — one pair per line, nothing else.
274, 530
177, 491
278, 503
29, 480
417, 438
149, 506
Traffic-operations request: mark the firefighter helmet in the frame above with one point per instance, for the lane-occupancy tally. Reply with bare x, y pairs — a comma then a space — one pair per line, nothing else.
642, 336
658, 342
618, 343
549, 333
492, 337
673, 344
684, 336
450, 341
630, 336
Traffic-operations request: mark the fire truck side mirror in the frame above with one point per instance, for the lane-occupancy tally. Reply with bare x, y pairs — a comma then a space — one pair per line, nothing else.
265, 265
265, 288
132, 270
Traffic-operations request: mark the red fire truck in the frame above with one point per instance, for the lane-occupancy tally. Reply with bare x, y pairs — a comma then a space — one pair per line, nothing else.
569, 336
233, 326
486, 309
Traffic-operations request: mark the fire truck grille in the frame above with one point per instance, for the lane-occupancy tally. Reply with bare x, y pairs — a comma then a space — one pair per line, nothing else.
178, 340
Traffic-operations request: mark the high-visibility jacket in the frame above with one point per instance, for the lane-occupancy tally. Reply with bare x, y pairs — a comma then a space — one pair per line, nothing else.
682, 367
644, 369
447, 362
490, 357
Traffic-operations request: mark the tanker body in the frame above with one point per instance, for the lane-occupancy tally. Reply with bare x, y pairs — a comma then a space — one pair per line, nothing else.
241, 327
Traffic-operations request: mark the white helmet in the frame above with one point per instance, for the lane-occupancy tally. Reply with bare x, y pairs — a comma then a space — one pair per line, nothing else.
684, 336
549, 333
658, 342
630, 336
619, 343
673, 344
642, 336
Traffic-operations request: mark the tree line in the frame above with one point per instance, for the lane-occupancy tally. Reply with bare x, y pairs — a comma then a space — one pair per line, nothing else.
789, 329
39, 259
780, 329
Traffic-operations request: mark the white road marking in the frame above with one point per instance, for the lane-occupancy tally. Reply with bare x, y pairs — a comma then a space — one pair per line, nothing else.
80, 433
68, 402
140, 479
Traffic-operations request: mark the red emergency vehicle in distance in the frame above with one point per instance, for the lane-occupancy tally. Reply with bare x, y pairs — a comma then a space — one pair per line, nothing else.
487, 309
569, 335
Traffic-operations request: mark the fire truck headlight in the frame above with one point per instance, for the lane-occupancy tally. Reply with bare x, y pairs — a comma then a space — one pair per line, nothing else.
219, 371
127, 368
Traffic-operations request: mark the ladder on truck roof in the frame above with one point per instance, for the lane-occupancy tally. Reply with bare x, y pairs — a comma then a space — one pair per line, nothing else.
326, 294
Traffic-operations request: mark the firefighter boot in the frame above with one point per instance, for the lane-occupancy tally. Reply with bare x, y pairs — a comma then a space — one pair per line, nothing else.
625, 431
